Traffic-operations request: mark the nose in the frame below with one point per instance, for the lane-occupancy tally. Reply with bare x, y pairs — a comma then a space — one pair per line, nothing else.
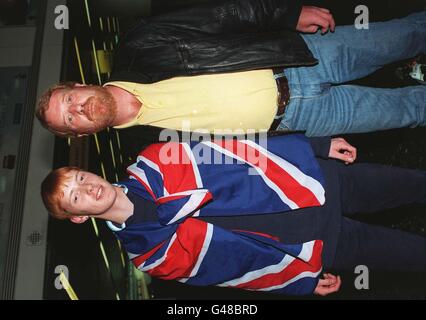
89, 188
77, 108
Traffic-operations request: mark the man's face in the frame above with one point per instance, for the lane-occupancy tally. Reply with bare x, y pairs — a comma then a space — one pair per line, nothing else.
80, 110
87, 194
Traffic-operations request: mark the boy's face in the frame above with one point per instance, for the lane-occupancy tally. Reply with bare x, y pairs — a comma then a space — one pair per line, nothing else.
87, 194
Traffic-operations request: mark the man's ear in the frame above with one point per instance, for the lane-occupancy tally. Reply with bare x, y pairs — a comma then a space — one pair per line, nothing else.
79, 219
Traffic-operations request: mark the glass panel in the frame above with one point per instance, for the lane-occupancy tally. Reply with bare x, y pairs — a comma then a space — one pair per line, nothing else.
18, 12
13, 87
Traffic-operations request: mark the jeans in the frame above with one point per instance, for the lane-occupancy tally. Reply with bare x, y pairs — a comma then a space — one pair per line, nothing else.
369, 188
322, 106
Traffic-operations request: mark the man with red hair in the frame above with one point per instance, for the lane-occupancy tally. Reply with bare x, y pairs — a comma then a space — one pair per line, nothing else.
247, 65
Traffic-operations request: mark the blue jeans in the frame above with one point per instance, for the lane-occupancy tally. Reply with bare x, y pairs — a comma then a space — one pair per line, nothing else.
370, 188
322, 107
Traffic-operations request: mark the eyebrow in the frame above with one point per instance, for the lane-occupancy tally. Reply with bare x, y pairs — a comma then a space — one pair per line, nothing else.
72, 191
63, 119
63, 115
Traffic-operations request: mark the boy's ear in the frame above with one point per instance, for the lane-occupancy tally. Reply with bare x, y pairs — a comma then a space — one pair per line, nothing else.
79, 219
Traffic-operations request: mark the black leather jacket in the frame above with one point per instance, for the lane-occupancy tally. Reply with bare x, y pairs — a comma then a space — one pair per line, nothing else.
226, 36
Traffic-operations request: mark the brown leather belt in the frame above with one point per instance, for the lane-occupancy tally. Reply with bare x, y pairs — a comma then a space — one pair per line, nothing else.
283, 100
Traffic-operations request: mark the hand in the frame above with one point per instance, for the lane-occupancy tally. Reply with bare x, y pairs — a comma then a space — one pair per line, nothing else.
341, 150
313, 18
328, 285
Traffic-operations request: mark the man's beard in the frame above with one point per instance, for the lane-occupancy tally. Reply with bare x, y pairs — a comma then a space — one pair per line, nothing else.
101, 108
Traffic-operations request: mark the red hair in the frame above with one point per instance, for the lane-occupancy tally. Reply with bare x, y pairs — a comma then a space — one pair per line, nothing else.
52, 191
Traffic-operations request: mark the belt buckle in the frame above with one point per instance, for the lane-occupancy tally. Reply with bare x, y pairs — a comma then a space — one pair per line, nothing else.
279, 117
281, 104
279, 95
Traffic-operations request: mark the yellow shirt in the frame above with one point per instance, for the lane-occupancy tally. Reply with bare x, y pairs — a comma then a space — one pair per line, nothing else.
241, 100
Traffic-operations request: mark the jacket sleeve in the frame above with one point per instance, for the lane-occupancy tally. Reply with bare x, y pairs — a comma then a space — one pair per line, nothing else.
321, 146
236, 16
201, 254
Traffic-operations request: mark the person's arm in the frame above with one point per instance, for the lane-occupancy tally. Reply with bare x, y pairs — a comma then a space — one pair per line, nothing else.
198, 251
313, 18
321, 146
329, 284
336, 148
340, 149
235, 16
